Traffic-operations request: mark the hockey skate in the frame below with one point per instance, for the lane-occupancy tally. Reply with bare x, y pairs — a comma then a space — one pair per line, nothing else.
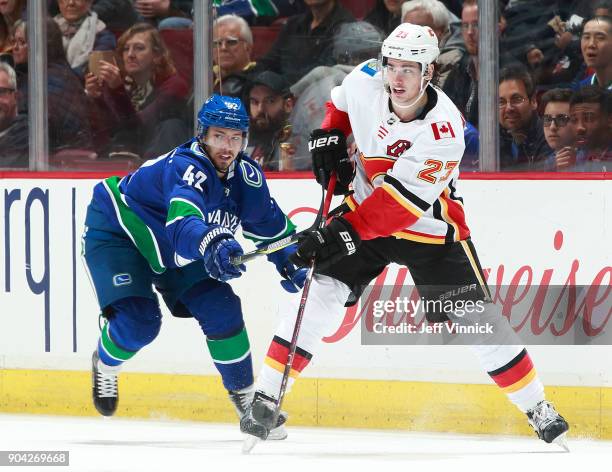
242, 401
549, 425
104, 387
260, 423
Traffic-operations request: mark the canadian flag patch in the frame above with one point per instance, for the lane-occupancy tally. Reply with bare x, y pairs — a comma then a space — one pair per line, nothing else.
442, 130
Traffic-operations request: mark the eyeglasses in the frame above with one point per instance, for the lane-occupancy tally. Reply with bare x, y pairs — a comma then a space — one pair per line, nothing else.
467, 26
559, 120
228, 42
515, 101
6, 91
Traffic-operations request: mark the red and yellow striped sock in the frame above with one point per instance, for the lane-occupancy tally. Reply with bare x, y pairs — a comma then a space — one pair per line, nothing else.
519, 380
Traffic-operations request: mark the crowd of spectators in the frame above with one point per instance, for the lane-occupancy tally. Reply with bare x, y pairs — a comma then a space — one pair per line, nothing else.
120, 85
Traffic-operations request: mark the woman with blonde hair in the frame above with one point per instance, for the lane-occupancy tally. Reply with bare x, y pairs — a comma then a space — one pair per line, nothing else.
141, 93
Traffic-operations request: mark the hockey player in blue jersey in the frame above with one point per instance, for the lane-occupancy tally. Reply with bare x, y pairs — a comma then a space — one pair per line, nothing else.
171, 225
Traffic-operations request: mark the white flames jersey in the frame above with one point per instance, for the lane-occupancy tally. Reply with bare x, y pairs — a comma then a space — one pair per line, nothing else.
407, 171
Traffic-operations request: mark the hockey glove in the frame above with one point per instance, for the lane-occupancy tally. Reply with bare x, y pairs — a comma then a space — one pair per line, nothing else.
328, 150
327, 245
217, 248
293, 276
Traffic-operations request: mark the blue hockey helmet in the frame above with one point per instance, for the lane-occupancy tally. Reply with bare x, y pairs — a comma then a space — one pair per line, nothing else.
223, 112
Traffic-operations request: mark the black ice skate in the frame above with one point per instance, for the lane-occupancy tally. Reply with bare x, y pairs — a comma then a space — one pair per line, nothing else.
104, 386
243, 401
549, 425
260, 422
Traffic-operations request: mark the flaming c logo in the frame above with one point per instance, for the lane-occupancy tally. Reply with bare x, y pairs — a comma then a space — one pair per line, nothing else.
398, 148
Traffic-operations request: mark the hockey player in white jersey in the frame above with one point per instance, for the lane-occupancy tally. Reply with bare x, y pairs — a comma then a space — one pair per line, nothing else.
405, 209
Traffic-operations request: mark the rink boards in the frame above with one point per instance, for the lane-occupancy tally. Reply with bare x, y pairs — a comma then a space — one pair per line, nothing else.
521, 228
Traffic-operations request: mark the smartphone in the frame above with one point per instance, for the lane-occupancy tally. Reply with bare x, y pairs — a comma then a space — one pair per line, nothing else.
96, 56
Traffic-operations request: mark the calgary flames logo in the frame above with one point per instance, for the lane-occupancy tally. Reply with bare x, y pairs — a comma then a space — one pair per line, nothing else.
398, 148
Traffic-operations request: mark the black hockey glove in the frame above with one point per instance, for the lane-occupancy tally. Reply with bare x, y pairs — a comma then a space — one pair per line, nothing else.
327, 245
328, 150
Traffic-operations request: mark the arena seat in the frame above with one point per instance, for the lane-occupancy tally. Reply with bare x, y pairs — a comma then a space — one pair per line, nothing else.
180, 44
263, 37
359, 8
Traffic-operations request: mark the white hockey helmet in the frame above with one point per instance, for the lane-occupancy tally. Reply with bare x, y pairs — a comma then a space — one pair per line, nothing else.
410, 42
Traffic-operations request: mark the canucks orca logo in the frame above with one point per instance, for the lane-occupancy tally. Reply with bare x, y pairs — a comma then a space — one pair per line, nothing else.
251, 174
122, 279
398, 148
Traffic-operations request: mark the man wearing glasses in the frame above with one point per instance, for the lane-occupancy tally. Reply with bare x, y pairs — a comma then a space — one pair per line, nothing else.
557, 132
522, 142
232, 47
13, 127
461, 78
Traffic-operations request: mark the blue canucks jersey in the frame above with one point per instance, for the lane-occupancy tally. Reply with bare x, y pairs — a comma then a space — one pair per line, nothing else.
169, 204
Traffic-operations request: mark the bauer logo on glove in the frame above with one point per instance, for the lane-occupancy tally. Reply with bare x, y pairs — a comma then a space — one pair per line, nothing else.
327, 245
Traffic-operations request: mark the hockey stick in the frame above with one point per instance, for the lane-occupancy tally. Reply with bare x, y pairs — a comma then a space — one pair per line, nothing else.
287, 241
251, 441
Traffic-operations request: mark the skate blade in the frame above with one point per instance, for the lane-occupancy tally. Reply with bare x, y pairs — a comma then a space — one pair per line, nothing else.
249, 443
278, 434
561, 441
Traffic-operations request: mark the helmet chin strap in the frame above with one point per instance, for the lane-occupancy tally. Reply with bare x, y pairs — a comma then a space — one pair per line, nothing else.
414, 102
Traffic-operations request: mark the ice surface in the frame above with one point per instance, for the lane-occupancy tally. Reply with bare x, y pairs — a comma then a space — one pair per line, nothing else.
114, 444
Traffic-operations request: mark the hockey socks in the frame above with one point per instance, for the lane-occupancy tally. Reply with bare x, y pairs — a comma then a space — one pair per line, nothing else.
271, 374
324, 311
232, 358
110, 353
512, 370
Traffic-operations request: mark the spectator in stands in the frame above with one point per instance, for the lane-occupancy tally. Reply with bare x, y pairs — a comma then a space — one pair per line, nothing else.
445, 25
522, 142
13, 127
82, 33
5, 41
20, 57
270, 103
430, 13
386, 15
306, 40
602, 8
232, 47
596, 44
563, 62
558, 133
591, 120
11, 11
141, 100
259, 13
165, 14
458, 76
354, 43
68, 122
117, 15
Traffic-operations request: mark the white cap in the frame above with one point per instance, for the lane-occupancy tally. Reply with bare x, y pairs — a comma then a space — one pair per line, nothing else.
410, 42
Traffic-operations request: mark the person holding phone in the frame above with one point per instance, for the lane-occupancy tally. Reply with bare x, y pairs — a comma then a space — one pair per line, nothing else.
82, 32
139, 98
